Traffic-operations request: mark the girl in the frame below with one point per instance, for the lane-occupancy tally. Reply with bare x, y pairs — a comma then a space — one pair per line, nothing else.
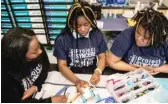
145, 45
79, 44
25, 66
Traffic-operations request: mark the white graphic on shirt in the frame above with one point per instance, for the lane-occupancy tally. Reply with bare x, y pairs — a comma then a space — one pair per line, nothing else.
142, 61
82, 57
29, 80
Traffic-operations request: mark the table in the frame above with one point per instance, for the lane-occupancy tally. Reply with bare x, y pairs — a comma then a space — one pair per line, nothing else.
55, 81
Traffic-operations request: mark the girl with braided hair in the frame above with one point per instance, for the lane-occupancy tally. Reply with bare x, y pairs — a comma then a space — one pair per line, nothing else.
145, 45
79, 44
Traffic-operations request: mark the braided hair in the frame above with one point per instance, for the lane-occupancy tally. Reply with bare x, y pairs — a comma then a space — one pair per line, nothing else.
77, 10
80, 9
154, 22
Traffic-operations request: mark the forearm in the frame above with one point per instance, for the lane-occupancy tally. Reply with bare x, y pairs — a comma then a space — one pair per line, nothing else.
121, 65
69, 74
162, 69
101, 63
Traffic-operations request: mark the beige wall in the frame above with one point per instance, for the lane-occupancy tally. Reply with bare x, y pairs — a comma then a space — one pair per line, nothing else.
165, 2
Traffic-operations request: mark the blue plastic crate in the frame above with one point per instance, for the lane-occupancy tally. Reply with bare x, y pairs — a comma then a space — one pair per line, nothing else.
3, 7
58, 1
5, 19
56, 7
4, 13
6, 25
56, 19
56, 13
23, 1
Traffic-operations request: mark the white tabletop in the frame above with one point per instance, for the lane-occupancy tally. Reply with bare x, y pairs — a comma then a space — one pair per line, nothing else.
55, 81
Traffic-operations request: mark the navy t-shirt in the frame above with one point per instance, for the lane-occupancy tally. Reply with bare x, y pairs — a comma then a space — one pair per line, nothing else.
36, 71
80, 56
124, 46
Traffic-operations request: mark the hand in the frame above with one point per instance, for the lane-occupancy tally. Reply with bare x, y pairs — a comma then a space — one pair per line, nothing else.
154, 73
81, 84
59, 99
29, 92
136, 66
95, 78
151, 70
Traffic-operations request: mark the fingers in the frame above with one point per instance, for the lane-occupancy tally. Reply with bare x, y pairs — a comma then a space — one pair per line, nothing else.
59, 99
79, 90
148, 68
96, 81
154, 73
136, 66
25, 96
87, 84
79, 87
93, 80
82, 84
64, 99
29, 92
